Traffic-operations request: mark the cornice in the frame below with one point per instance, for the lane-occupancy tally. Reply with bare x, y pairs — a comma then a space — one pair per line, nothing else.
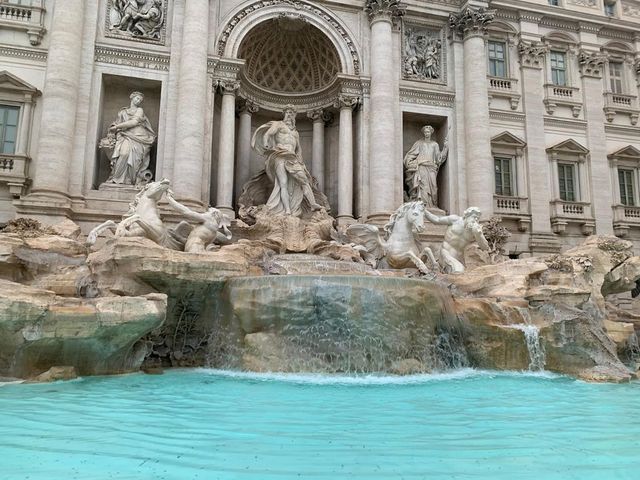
131, 58
507, 116
26, 53
426, 97
566, 123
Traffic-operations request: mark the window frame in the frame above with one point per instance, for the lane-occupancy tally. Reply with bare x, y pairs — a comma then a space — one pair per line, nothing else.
511, 175
563, 165
3, 126
633, 176
505, 61
565, 69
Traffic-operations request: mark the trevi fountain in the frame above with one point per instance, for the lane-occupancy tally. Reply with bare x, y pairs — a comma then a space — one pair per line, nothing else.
283, 339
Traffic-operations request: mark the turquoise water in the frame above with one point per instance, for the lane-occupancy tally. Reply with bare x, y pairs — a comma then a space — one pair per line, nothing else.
202, 424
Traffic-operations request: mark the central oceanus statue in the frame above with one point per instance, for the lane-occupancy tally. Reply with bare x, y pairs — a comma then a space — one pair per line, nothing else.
399, 248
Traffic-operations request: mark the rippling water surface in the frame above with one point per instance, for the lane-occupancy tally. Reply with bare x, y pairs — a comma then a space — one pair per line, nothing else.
202, 424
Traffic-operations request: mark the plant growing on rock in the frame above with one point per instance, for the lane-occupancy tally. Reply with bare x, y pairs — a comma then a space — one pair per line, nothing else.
497, 236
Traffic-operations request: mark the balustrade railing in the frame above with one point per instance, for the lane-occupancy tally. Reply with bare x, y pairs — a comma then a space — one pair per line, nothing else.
29, 18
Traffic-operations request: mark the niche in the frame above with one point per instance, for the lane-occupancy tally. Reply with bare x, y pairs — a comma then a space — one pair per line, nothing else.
115, 95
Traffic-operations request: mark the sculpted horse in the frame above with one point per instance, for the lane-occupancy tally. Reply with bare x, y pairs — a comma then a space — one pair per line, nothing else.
142, 219
399, 248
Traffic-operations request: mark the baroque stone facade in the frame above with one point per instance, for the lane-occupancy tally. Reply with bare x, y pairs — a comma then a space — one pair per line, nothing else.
539, 106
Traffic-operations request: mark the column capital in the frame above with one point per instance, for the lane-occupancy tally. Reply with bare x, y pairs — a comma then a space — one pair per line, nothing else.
319, 115
248, 106
471, 22
227, 87
386, 10
346, 102
591, 63
532, 53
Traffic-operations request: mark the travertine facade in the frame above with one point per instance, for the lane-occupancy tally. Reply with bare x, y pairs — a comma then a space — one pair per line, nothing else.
539, 102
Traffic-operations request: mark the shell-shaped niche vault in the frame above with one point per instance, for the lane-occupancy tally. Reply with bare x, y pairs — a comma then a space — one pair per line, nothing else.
289, 56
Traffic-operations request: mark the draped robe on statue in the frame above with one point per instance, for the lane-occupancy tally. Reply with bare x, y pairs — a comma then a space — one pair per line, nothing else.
131, 154
422, 163
297, 175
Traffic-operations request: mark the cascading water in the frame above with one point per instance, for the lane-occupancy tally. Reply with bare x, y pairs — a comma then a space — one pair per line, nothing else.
537, 358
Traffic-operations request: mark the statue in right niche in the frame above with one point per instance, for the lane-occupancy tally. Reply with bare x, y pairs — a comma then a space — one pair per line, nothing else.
421, 166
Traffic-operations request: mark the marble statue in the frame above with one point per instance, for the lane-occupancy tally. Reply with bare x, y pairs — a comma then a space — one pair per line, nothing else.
461, 232
293, 190
422, 54
139, 18
142, 219
400, 248
131, 137
421, 165
212, 225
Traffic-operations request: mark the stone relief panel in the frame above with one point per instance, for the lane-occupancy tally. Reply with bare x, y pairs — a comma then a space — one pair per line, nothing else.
423, 54
141, 20
631, 8
583, 3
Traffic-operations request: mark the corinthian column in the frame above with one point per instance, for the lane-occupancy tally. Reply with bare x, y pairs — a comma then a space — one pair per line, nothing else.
226, 147
192, 95
317, 154
470, 25
345, 159
243, 169
382, 126
60, 100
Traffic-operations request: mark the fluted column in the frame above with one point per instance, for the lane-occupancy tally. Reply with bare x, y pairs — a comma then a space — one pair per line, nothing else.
243, 162
345, 159
470, 25
226, 152
382, 126
192, 95
317, 152
25, 125
60, 99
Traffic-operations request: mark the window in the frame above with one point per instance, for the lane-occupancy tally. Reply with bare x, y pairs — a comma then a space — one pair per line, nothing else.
555, 3
615, 77
497, 59
566, 179
503, 176
558, 68
610, 8
627, 194
8, 128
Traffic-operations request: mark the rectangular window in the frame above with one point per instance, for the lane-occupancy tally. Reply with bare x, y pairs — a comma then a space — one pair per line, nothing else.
503, 176
497, 59
555, 3
627, 191
566, 179
8, 128
615, 76
610, 8
558, 68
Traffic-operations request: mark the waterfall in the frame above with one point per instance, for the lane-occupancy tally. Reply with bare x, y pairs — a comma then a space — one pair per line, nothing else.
537, 357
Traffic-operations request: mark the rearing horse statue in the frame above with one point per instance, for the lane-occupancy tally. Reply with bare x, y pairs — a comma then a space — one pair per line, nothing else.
400, 248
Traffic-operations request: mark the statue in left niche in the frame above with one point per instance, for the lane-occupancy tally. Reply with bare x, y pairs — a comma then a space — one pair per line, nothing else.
130, 137
143, 220
137, 18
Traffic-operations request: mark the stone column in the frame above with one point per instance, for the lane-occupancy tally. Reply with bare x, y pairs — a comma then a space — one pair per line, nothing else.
470, 25
226, 152
591, 67
317, 154
537, 166
345, 159
382, 127
192, 104
60, 100
25, 124
243, 163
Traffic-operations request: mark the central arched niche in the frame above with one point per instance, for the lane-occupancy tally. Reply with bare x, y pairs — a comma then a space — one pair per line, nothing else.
289, 55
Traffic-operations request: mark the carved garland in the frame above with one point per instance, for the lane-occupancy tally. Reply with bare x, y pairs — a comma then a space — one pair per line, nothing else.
299, 5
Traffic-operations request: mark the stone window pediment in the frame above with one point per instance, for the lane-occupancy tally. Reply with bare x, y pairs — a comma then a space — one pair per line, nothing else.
507, 139
568, 148
629, 153
10, 84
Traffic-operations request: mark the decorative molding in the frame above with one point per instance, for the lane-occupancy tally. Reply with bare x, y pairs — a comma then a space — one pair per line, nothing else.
422, 97
565, 123
131, 58
471, 22
559, 24
227, 87
507, 116
247, 106
151, 27
26, 53
532, 54
616, 34
346, 101
583, 3
424, 54
632, 9
591, 63
298, 5
384, 10
623, 130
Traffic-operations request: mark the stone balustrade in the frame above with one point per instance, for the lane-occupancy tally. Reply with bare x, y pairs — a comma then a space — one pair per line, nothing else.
563, 213
516, 208
625, 217
619, 103
14, 170
505, 88
29, 18
558, 95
